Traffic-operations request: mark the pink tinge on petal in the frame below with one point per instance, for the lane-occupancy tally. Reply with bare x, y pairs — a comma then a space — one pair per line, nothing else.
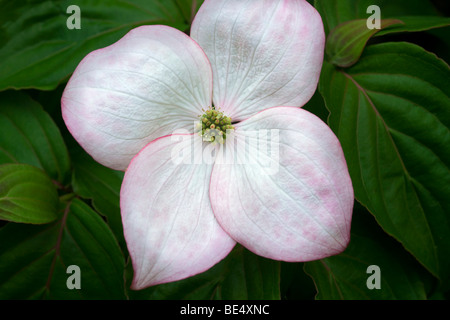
169, 227
146, 85
285, 192
264, 53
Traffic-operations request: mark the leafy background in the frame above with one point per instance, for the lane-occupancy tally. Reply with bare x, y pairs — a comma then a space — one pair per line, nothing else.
385, 93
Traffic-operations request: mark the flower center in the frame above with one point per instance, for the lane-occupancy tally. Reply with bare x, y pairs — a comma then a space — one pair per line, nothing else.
214, 126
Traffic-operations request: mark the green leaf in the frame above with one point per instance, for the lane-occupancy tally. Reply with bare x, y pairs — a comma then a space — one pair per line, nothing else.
91, 180
391, 113
334, 13
28, 135
317, 106
189, 8
346, 42
199, 287
249, 277
295, 283
34, 260
417, 23
27, 195
345, 276
39, 50
242, 275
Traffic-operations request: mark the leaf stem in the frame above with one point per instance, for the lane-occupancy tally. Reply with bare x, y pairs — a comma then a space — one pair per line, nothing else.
58, 244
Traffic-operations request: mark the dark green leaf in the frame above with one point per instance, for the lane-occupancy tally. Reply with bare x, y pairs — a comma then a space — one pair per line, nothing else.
199, 287
249, 277
39, 50
27, 195
391, 113
189, 8
241, 275
93, 181
28, 135
295, 283
346, 42
317, 106
347, 275
334, 12
418, 23
34, 259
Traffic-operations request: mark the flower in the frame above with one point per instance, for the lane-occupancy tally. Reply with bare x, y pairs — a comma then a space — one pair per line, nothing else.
256, 62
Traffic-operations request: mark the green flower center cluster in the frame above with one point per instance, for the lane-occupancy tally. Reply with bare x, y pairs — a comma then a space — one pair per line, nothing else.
213, 126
